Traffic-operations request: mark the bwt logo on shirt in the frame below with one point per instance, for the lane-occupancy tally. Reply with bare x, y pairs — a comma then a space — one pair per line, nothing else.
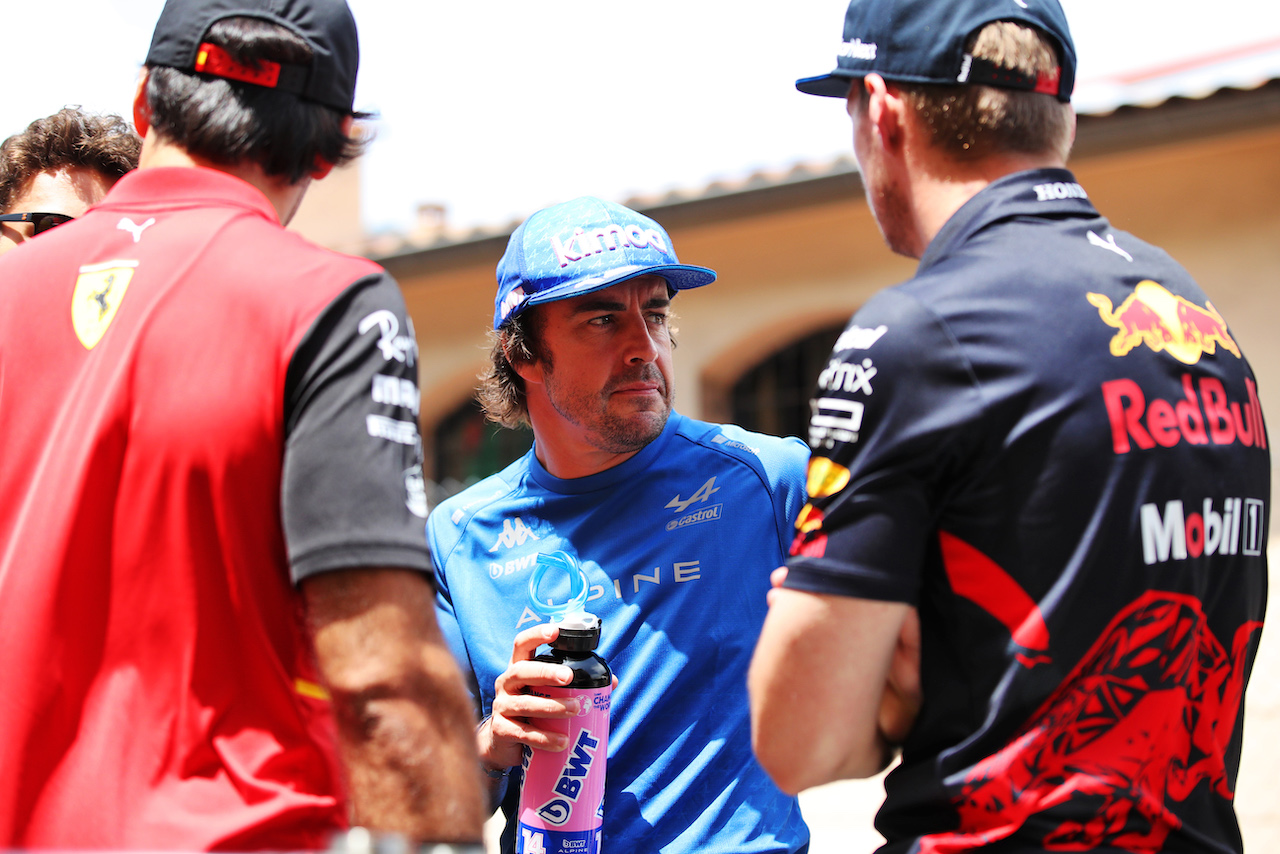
1177, 535
584, 243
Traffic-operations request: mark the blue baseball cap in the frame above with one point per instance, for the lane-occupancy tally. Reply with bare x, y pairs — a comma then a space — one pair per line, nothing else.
923, 41
583, 246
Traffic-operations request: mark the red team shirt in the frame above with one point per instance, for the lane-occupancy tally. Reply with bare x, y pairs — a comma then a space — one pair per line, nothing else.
198, 410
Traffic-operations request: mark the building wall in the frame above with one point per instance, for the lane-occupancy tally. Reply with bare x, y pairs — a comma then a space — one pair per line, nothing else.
1212, 202
782, 274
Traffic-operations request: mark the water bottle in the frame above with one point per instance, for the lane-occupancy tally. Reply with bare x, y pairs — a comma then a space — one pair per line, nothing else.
562, 800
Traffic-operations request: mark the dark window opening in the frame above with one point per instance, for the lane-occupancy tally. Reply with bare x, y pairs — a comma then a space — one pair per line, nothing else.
469, 448
773, 397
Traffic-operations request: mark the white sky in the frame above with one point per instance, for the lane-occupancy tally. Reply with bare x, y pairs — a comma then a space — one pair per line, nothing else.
495, 108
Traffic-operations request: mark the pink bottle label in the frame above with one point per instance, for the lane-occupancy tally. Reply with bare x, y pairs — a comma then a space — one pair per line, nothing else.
561, 801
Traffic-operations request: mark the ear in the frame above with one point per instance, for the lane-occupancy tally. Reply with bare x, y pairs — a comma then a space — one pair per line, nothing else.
141, 109
323, 167
885, 110
526, 365
529, 370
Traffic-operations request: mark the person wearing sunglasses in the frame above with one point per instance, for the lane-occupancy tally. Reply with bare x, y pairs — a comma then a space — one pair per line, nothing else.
59, 166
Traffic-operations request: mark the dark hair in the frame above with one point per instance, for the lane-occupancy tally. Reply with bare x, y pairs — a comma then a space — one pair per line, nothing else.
70, 138
501, 391
973, 121
227, 121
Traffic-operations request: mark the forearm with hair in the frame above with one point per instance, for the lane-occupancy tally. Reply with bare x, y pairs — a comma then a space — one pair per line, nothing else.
405, 724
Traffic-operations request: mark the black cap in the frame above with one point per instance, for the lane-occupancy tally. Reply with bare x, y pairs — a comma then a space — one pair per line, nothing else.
923, 41
325, 25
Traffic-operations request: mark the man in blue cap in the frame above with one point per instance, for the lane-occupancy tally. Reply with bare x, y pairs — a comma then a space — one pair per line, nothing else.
1034, 554
677, 524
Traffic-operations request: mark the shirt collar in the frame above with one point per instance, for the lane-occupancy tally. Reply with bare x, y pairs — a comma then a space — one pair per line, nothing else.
186, 186
627, 469
1036, 192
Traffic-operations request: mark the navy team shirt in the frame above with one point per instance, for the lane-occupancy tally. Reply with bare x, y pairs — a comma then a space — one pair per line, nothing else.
1050, 443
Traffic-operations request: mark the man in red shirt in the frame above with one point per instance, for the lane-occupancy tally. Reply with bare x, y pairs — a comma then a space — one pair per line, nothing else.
214, 590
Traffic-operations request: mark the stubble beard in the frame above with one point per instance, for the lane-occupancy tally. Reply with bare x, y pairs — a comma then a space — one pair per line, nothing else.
893, 216
611, 431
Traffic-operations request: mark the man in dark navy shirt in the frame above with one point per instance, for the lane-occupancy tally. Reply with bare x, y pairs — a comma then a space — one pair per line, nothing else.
1033, 557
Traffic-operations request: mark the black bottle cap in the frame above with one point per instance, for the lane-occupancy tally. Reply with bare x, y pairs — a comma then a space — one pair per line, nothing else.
579, 632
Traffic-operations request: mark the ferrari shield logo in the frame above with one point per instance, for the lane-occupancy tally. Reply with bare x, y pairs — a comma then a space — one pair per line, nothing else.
99, 291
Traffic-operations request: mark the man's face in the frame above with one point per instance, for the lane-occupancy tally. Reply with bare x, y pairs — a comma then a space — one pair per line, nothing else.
605, 364
67, 191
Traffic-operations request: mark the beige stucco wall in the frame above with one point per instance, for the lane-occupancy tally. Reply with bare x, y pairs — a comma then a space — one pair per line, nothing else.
1212, 203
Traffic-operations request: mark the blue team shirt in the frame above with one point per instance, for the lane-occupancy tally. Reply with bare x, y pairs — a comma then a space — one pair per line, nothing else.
677, 543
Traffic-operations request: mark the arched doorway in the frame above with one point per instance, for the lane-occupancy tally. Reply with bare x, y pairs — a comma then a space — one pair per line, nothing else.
773, 397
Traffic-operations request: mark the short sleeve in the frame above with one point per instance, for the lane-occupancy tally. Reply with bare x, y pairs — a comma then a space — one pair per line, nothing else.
442, 536
783, 461
353, 492
896, 415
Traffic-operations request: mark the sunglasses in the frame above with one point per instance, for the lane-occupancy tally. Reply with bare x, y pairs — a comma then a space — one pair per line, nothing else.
43, 221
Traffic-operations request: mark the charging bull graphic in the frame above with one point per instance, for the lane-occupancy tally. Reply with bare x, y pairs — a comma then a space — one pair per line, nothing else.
1153, 316
1143, 719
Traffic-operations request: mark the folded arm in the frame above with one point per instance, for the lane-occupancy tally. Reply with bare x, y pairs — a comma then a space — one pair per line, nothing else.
834, 686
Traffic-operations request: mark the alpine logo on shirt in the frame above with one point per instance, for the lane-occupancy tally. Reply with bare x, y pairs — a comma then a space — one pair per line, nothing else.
705, 513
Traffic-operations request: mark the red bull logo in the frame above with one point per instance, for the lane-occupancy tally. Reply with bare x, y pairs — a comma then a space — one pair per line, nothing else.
1165, 322
1211, 418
